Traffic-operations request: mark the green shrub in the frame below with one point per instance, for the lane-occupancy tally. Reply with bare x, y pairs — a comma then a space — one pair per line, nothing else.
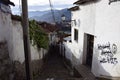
38, 35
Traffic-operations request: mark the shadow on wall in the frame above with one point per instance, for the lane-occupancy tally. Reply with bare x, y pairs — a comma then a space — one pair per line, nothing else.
75, 57
69, 63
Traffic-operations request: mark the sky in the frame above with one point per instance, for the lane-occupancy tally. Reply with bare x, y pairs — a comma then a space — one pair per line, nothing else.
41, 5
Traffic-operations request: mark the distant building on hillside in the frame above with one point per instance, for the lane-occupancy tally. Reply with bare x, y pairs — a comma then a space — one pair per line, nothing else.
51, 30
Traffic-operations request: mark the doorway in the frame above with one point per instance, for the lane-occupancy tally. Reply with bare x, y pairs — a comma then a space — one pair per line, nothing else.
88, 50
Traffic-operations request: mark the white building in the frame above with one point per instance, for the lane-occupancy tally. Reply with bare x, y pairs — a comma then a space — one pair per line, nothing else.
96, 37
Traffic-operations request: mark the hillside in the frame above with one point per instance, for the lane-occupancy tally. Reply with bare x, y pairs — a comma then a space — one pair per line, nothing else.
47, 16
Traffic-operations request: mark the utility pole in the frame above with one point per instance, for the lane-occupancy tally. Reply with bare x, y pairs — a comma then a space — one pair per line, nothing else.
52, 11
26, 39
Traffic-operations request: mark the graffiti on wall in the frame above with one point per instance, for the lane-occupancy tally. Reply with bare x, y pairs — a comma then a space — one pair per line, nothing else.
111, 1
107, 52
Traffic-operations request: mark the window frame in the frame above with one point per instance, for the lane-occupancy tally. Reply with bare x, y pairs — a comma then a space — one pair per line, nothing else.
76, 35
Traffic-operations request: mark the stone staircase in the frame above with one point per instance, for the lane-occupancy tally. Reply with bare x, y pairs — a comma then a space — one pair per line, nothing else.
54, 68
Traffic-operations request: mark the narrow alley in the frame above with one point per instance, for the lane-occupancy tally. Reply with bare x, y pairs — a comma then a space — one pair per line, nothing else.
60, 40
54, 67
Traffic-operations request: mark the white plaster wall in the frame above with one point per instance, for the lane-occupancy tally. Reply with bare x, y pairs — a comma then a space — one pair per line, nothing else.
18, 47
87, 23
72, 53
6, 30
11, 31
75, 46
102, 21
85, 18
68, 51
35, 54
17, 41
52, 37
75, 16
1, 27
107, 29
4, 23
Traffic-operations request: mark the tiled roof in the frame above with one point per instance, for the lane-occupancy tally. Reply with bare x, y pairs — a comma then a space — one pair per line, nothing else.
47, 27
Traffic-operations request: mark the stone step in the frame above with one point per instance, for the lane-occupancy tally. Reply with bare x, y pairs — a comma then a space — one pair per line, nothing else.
85, 72
55, 69
61, 79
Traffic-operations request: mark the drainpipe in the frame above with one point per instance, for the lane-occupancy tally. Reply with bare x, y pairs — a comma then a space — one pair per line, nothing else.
26, 39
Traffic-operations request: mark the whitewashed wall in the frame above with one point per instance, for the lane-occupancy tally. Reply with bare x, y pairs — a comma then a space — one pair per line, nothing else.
1, 26
6, 30
84, 24
17, 41
4, 23
107, 32
103, 21
68, 51
75, 46
52, 38
11, 31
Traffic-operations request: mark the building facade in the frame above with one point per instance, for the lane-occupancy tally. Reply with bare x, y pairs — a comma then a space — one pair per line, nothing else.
95, 37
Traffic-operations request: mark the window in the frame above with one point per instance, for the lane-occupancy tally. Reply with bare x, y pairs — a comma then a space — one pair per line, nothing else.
76, 35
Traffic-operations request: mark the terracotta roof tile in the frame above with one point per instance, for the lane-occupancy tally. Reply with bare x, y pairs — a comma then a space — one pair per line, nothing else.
47, 27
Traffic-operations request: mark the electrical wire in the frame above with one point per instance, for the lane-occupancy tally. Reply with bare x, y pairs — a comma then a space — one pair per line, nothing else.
52, 11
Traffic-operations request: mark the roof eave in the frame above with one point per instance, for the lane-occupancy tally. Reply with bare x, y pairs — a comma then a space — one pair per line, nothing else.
75, 8
84, 2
